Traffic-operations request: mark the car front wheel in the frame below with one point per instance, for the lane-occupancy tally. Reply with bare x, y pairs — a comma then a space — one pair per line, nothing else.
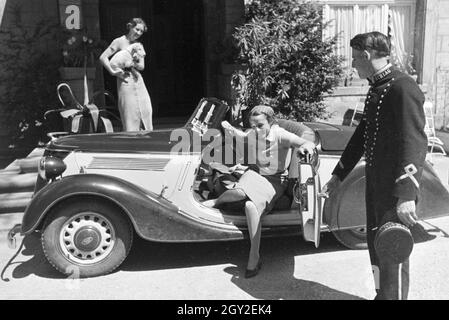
86, 237
352, 238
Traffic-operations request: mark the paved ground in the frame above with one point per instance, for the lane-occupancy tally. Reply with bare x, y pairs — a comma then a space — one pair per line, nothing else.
292, 269
444, 136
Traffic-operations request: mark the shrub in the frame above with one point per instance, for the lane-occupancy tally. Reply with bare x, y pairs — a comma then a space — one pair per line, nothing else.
29, 78
285, 62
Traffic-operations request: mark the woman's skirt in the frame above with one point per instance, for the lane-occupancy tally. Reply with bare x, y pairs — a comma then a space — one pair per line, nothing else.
263, 191
134, 103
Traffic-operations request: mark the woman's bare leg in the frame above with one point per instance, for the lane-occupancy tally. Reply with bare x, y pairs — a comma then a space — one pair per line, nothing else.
255, 229
232, 195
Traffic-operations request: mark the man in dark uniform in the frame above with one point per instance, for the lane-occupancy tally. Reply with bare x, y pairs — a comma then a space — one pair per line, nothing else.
391, 137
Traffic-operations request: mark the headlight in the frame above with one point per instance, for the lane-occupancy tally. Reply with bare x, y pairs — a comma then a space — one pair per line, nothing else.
51, 167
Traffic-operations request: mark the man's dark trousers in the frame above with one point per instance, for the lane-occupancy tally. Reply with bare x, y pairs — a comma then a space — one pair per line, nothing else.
391, 280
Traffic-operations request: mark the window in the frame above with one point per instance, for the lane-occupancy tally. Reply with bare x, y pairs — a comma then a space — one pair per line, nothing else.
395, 18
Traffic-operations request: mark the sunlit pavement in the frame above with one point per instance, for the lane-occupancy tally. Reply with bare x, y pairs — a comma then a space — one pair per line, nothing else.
292, 269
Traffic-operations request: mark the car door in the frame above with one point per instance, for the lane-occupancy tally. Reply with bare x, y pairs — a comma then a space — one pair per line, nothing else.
306, 194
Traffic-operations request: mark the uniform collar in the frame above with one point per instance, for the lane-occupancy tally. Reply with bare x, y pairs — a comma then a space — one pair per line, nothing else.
381, 74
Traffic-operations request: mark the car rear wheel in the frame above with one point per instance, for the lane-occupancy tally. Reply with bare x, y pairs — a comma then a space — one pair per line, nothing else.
352, 238
86, 238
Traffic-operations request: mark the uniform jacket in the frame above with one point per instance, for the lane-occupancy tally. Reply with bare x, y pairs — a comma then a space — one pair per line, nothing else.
391, 137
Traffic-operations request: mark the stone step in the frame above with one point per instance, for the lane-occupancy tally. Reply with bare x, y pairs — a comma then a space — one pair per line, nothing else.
15, 196
38, 152
14, 202
13, 167
12, 182
28, 165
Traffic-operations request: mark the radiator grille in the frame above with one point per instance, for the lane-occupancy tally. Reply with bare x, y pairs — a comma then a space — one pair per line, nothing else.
152, 164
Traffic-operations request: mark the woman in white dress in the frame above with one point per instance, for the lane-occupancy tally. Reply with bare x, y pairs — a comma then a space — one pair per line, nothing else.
134, 102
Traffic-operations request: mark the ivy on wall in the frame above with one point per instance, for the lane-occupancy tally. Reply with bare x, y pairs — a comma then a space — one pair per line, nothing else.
29, 60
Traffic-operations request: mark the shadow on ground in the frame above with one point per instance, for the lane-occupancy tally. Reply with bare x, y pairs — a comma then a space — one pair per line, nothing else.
276, 279
31, 261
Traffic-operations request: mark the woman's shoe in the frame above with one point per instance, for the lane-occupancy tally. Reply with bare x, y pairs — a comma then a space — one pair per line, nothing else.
249, 273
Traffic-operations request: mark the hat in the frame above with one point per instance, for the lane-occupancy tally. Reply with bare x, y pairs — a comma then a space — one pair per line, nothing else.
393, 243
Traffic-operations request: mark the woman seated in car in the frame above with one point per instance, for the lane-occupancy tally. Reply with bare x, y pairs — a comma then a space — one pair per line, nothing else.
265, 179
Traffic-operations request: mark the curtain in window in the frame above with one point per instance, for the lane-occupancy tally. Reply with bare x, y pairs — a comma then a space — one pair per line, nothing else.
401, 33
372, 18
341, 20
395, 20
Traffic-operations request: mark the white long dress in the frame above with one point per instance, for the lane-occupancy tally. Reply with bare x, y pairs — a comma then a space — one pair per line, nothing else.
134, 102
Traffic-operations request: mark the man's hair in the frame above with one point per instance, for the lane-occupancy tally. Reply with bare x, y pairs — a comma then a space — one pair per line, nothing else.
374, 41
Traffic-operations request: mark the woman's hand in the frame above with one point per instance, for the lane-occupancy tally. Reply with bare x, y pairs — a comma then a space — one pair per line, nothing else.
119, 73
307, 147
238, 167
228, 127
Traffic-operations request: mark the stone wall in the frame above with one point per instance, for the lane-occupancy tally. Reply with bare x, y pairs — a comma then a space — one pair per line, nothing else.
440, 87
343, 101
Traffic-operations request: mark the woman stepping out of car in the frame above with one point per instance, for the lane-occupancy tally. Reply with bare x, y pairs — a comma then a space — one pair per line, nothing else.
264, 179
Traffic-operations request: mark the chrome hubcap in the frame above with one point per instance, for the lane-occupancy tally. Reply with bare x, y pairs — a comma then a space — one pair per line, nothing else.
87, 238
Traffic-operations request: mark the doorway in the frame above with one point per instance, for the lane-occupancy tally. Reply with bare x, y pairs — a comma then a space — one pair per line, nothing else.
174, 45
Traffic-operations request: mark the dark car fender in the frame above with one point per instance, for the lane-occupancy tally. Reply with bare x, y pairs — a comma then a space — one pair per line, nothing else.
346, 208
153, 217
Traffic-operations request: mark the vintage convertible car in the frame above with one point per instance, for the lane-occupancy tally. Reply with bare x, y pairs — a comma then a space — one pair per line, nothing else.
96, 192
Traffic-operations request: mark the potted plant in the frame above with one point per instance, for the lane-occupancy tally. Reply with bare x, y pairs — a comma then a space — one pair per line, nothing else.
80, 52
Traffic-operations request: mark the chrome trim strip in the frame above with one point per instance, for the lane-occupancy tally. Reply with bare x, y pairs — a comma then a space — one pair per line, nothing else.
122, 163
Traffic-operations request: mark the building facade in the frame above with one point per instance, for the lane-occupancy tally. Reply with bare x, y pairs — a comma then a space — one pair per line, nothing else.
185, 43
419, 33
